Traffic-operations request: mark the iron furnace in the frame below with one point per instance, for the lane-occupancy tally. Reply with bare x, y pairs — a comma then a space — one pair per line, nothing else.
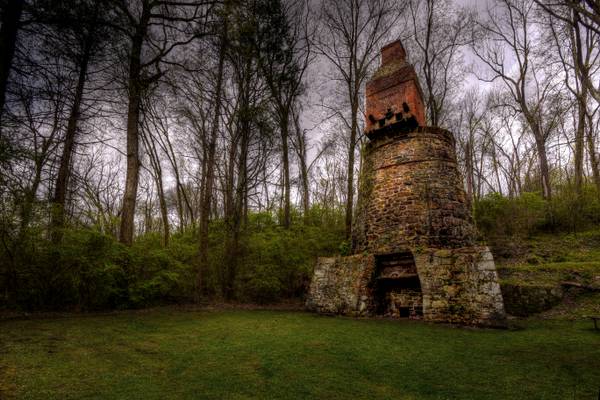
414, 244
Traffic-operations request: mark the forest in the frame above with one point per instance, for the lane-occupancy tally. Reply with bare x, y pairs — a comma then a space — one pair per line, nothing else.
188, 151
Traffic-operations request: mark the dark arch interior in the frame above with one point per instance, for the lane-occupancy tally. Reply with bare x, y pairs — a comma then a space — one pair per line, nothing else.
396, 286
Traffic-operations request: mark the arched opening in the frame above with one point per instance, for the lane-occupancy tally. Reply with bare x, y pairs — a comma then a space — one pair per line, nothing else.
396, 286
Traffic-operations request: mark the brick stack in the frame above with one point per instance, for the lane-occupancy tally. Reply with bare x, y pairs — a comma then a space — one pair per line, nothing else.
394, 83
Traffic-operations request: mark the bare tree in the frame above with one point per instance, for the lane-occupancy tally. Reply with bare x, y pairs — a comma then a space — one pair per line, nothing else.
241, 111
469, 124
36, 121
154, 29
299, 140
577, 52
160, 123
439, 32
352, 33
148, 136
99, 193
283, 42
81, 33
210, 156
10, 16
588, 10
508, 33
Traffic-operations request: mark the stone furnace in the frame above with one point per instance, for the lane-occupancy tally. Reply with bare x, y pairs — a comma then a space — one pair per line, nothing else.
414, 245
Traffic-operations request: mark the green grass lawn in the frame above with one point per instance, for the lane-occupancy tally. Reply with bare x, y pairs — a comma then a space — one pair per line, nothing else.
242, 354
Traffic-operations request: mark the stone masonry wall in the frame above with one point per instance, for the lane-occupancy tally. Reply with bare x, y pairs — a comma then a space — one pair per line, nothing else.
411, 195
460, 286
340, 285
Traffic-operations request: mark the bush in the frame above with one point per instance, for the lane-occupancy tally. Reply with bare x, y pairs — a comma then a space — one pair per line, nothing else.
527, 214
278, 263
92, 271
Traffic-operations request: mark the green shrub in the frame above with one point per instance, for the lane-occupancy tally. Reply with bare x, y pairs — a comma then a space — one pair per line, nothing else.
91, 271
498, 216
264, 284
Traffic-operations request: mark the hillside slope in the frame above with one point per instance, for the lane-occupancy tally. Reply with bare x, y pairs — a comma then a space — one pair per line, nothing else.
557, 275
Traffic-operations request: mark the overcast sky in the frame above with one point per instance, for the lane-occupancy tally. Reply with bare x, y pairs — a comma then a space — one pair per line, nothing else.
320, 94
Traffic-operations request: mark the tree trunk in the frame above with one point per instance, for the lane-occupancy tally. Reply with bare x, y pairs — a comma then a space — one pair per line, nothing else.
149, 143
183, 211
544, 169
303, 175
135, 87
495, 164
235, 223
209, 177
579, 140
594, 163
350, 182
286, 172
238, 194
469, 172
163, 209
180, 211
540, 144
133, 167
8, 36
148, 223
301, 152
64, 170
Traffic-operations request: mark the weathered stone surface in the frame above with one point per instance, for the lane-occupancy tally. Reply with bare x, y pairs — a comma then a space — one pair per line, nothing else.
340, 285
459, 286
411, 194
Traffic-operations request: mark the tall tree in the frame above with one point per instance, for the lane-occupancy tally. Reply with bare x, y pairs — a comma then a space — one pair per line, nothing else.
209, 159
300, 141
352, 33
589, 11
248, 141
10, 16
154, 29
150, 141
508, 35
469, 123
79, 35
284, 53
439, 31
577, 52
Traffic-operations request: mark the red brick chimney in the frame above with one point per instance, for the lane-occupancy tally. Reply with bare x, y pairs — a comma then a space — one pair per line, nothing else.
393, 52
394, 83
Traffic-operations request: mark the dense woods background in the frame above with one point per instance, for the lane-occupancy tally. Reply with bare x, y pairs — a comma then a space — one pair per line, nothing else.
173, 151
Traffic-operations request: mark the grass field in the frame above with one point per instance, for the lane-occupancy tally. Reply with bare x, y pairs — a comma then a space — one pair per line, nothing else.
244, 354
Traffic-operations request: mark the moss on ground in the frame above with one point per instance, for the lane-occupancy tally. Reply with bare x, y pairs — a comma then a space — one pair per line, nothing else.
548, 248
552, 259
549, 260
